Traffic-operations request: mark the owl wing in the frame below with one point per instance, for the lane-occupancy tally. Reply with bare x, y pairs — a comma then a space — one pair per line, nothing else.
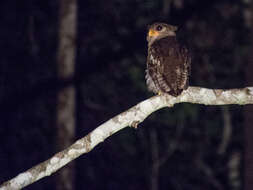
154, 73
170, 66
185, 67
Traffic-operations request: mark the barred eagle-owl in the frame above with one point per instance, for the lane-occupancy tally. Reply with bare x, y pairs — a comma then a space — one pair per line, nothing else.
168, 63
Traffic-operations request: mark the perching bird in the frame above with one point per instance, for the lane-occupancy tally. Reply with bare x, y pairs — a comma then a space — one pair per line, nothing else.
168, 63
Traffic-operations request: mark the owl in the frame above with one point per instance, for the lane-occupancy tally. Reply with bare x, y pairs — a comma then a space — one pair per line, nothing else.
168, 62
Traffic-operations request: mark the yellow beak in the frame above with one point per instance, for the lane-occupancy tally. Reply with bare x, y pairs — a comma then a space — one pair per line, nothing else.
152, 33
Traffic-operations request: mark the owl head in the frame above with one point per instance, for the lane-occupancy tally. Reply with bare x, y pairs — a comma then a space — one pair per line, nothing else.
160, 30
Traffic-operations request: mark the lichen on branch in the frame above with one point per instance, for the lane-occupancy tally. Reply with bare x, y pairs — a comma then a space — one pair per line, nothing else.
131, 117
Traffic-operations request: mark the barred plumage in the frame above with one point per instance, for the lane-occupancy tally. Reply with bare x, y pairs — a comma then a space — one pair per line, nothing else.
168, 63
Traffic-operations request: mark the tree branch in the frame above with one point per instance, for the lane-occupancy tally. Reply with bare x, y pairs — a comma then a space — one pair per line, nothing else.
131, 117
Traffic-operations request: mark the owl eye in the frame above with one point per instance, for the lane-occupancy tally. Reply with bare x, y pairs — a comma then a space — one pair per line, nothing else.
159, 28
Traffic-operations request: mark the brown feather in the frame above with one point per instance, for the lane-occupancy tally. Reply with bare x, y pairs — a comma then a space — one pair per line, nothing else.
168, 66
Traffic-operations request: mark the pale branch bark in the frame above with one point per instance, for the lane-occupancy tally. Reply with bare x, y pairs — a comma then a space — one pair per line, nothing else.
131, 117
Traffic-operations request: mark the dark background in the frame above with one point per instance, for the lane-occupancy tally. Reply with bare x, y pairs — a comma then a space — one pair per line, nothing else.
110, 65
